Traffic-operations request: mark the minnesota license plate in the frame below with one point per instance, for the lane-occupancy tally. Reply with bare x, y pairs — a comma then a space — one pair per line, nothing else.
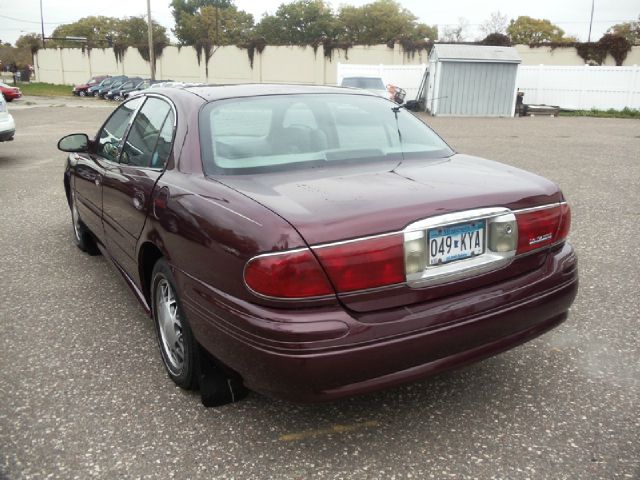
455, 242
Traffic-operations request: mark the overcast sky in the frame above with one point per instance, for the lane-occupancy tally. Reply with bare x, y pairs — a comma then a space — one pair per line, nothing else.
23, 16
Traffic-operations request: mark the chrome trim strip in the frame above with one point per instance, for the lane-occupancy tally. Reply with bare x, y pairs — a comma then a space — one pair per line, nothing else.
353, 240
542, 207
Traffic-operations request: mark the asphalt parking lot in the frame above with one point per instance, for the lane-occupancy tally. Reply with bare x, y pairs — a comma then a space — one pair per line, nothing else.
83, 393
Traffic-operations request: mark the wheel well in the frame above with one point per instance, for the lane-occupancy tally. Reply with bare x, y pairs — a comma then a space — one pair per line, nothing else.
67, 187
149, 255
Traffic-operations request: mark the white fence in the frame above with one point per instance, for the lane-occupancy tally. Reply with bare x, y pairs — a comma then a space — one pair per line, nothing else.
583, 87
407, 77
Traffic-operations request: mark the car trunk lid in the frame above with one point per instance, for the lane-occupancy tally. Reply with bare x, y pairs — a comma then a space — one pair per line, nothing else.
328, 205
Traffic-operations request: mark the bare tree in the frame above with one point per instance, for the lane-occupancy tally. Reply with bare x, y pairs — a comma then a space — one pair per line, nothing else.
455, 33
496, 23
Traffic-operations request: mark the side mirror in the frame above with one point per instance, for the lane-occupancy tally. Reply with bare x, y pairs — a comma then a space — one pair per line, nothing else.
76, 142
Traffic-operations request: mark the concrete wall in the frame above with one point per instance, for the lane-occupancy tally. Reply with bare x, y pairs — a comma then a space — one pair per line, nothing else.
230, 64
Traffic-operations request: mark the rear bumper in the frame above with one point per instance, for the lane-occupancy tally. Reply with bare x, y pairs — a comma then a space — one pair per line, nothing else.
320, 356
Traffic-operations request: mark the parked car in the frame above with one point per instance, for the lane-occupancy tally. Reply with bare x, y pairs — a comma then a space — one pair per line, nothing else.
117, 91
7, 124
101, 92
371, 84
315, 242
105, 84
144, 85
91, 91
376, 85
81, 90
10, 93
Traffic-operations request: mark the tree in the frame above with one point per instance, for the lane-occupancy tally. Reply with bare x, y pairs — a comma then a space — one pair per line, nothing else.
97, 31
454, 34
497, 40
133, 32
629, 30
496, 23
299, 22
216, 23
30, 41
527, 30
381, 21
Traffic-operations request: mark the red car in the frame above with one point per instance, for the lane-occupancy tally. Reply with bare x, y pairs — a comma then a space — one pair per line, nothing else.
81, 90
10, 93
311, 243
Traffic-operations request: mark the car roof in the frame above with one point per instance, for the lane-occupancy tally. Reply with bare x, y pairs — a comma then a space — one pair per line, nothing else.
220, 92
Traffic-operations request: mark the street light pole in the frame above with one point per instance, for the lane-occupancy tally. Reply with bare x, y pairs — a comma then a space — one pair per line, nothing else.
152, 56
591, 21
42, 23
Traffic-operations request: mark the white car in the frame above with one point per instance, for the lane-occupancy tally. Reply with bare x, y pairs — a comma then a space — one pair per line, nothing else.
374, 85
7, 125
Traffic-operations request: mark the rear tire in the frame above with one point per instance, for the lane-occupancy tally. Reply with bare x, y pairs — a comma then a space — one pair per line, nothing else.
178, 348
81, 235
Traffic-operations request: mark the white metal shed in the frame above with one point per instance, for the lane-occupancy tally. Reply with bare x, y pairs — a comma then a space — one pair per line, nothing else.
472, 80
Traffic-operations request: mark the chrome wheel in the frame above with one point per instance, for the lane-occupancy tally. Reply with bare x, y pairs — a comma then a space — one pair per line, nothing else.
82, 93
169, 326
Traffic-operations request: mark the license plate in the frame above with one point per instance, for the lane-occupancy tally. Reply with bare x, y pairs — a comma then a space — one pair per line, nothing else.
455, 242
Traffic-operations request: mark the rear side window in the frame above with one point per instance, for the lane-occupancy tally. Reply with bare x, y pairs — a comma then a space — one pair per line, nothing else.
149, 141
111, 134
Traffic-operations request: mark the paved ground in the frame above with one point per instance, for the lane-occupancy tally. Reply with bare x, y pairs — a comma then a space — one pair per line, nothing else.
83, 393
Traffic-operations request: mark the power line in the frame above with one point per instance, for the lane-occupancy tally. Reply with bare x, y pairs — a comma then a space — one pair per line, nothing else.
31, 21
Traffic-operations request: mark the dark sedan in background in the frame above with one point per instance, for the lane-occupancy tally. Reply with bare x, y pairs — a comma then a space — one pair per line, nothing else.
312, 243
117, 92
104, 84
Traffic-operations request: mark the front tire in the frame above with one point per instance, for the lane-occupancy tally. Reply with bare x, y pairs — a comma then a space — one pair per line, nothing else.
178, 348
82, 93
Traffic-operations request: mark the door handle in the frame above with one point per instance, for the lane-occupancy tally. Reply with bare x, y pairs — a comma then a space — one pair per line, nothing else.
98, 180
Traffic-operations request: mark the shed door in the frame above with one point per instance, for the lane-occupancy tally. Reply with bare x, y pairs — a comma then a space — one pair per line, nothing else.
483, 89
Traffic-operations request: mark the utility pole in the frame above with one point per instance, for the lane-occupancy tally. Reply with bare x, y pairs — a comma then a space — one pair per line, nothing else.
42, 23
152, 56
591, 21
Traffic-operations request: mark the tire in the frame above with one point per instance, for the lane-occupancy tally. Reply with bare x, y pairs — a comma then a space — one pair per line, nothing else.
82, 93
81, 235
179, 350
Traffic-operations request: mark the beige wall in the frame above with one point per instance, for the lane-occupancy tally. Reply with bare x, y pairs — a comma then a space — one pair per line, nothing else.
567, 56
230, 64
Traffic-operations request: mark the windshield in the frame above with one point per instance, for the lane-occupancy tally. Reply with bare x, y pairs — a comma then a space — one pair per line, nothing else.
283, 132
116, 84
364, 82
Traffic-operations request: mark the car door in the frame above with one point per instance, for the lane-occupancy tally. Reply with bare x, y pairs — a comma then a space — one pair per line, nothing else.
90, 167
128, 184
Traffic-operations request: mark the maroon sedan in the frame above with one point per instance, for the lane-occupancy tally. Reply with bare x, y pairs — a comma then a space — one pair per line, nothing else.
10, 93
81, 90
311, 243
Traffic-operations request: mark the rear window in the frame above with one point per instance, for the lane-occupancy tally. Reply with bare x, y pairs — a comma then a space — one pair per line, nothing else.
284, 132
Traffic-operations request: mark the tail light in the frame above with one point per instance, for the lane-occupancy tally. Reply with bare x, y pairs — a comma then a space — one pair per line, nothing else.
540, 228
350, 266
367, 263
294, 274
